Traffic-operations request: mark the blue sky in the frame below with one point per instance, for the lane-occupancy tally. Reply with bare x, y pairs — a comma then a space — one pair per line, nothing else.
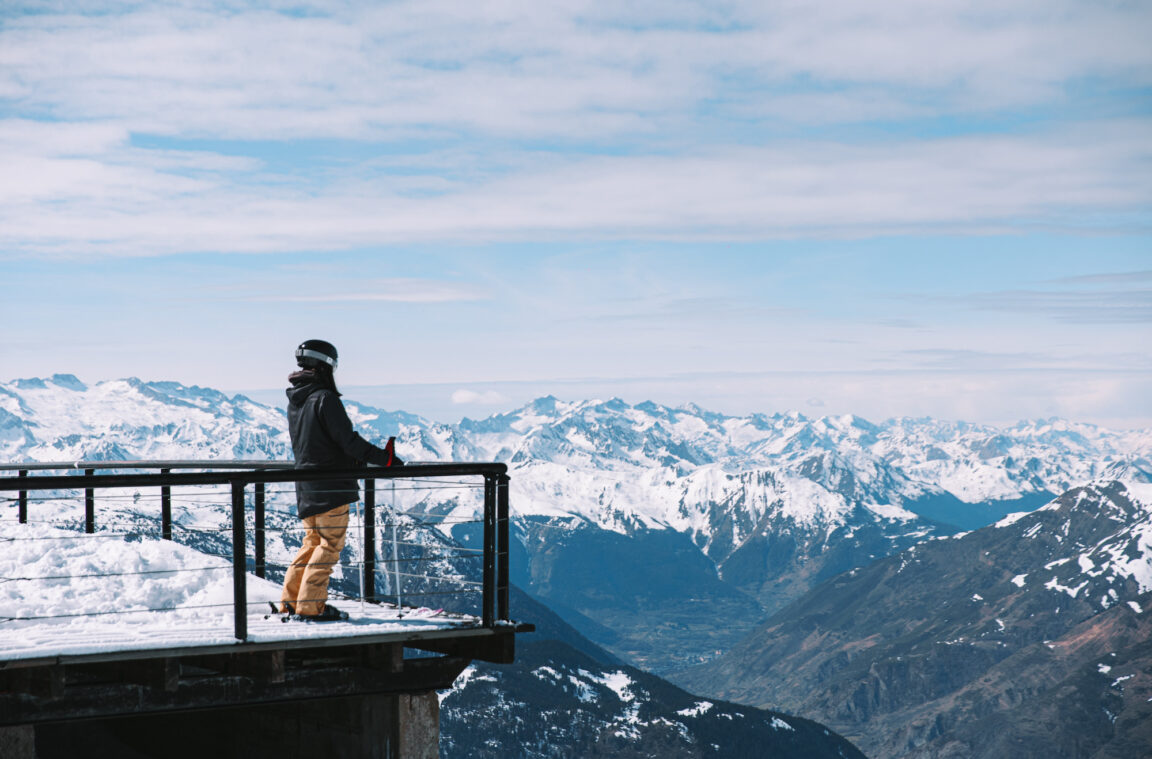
886, 209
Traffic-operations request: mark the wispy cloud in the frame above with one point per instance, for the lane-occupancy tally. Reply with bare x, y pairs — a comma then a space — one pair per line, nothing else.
1127, 278
952, 360
396, 290
484, 398
1115, 306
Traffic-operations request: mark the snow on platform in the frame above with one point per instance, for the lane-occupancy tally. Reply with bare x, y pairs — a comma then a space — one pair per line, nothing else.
130, 633
66, 594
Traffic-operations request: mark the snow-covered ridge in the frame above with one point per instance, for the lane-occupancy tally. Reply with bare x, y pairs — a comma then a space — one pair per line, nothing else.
622, 466
62, 419
616, 465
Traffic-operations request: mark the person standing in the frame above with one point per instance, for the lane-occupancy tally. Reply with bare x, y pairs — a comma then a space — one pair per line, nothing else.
322, 436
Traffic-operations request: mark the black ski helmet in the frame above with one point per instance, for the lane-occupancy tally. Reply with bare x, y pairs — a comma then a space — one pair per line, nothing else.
311, 353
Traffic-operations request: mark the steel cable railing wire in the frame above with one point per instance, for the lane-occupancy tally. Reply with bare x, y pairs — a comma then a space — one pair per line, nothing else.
208, 528
136, 494
132, 524
45, 617
455, 551
103, 532
194, 607
183, 570
419, 518
141, 573
220, 500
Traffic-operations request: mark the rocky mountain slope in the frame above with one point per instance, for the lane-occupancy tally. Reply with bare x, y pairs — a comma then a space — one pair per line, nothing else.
1028, 638
566, 698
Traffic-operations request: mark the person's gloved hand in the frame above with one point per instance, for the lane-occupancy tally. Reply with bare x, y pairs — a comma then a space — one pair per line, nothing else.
390, 449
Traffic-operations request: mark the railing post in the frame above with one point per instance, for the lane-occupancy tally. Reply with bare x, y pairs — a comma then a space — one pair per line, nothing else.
369, 567
258, 531
23, 500
89, 506
239, 573
502, 547
488, 600
166, 509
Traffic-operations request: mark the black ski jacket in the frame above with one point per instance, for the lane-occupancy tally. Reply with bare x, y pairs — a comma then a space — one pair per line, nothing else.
322, 436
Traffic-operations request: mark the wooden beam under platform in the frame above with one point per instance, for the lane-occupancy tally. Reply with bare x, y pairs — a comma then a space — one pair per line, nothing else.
64, 692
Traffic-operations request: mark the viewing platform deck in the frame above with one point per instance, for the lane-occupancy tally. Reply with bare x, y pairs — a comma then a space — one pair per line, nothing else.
143, 588
147, 635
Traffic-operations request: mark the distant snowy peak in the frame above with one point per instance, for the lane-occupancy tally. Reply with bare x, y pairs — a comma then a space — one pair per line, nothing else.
69, 381
1136, 471
65, 419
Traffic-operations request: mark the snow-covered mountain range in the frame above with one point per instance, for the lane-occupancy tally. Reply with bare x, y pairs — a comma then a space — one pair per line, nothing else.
819, 466
630, 516
885, 466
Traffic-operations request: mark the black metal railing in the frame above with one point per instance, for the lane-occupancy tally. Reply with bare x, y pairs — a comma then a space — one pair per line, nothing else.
237, 476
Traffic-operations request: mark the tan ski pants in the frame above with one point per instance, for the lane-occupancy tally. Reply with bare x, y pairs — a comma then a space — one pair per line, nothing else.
306, 582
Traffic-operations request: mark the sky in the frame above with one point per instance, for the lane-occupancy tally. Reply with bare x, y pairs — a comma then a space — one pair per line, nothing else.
888, 209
